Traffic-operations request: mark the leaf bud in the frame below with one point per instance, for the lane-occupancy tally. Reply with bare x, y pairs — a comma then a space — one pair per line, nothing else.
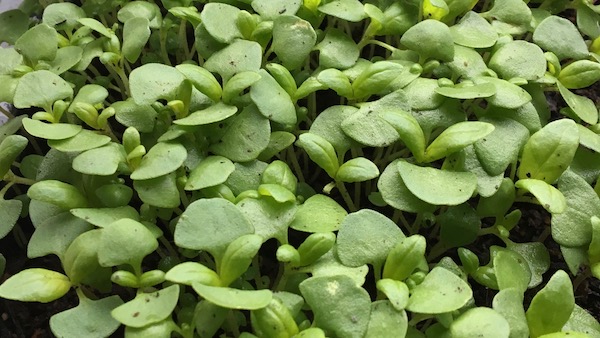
468, 259
444, 82
274, 320
283, 76
58, 109
125, 278
315, 246
62, 41
21, 70
131, 139
246, 23
151, 278
109, 58
87, 113
287, 254
103, 117
238, 256
404, 257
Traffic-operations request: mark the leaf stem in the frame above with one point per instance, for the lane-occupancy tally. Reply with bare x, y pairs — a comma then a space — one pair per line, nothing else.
7, 113
292, 158
346, 196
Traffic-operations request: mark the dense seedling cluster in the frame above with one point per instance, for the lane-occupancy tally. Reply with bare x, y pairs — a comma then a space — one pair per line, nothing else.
212, 168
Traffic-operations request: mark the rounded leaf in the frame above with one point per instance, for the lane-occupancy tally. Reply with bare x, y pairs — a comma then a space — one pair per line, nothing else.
441, 291
319, 213
561, 37
163, 158
520, 59
358, 169
438, 187
41, 88
480, 322
35, 285
148, 308
233, 298
431, 39
366, 236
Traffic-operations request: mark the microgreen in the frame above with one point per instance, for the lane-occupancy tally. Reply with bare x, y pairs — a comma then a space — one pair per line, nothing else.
271, 168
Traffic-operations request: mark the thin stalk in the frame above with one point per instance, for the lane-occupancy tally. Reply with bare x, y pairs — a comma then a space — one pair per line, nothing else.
6, 113
294, 160
346, 196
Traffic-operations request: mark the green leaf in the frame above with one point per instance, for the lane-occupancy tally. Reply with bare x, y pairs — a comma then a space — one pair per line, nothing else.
508, 95
510, 17
141, 9
211, 171
336, 80
548, 196
548, 152
320, 151
552, 306
467, 92
136, 32
337, 50
219, 19
395, 193
396, 291
240, 56
278, 192
349, 10
88, 319
537, 257
441, 291
269, 218
162, 159
376, 78
96, 26
66, 58
459, 225
519, 59
366, 236
55, 234
511, 271
241, 81
270, 9
473, 31
153, 81
588, 139
482, 322
409, 130
41, 88
58, 193
215, 113
272, 100
10, 211
278, 142
404, 257
102, 161
329, 266
101, 217
386, 320
125, 242
139, 116
63, 15
457, 137
367, 125
319, 213
35, 285
13, 23
497, 150
579, 74
147, 308
188, 273
293, 40
466, 160
582, 106
561, 37
82, 141
215, 216
358, 169
431, 39
161, 191
438, 187
573, 228
233, 298
509, 303
202, 80
328, 126
582, 321
339, 305
238, 256
11, 59
39, 43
